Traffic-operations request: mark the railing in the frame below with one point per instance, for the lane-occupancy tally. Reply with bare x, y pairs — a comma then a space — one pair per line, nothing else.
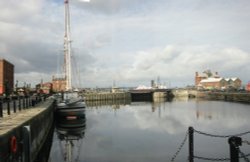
234, 141
19, 103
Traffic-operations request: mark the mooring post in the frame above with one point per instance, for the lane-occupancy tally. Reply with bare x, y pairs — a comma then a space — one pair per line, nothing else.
8, 107
14, 105
26, 102
191, 144
19, 103
1, 109
30, 101
23, 100
234, 143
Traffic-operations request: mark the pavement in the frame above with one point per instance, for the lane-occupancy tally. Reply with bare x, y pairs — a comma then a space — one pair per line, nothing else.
9, 122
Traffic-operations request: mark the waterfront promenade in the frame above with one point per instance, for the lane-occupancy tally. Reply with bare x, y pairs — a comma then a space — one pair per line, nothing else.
23, 133
9, 122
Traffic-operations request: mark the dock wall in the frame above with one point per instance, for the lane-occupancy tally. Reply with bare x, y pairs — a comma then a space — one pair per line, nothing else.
225, 96
107, 96
30, 128
147, 95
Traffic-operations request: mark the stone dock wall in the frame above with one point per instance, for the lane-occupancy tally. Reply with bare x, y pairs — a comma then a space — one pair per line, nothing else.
155, 96
23, 134
226, 96
106, 96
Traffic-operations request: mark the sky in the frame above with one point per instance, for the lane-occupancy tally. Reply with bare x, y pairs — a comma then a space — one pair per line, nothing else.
127, 42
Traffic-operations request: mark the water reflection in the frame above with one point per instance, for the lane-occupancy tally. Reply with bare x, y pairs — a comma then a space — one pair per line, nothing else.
152, 131
70, 134
113, 103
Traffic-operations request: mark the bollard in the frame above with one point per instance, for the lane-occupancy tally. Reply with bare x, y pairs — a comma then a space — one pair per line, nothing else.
33, 101
1, 109
26, 102
8, 107
23, 100
191, 144
19, 104
29, 101
234, 143
14, 106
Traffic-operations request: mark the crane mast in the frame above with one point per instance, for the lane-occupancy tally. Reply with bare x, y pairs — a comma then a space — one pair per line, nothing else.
67, 47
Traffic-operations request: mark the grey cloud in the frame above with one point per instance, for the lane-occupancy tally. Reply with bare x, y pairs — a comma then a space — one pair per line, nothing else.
131, 41
115, 6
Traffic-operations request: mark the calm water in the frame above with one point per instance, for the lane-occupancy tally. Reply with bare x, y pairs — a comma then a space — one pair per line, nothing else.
146, 132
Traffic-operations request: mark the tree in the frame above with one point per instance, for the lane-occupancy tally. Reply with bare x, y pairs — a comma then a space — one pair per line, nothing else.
208, 72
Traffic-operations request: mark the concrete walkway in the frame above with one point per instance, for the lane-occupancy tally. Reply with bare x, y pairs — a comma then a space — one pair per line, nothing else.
9, 122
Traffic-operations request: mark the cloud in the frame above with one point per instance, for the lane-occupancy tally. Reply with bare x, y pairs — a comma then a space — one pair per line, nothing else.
113, 6
17, 11
174, 63
128, 41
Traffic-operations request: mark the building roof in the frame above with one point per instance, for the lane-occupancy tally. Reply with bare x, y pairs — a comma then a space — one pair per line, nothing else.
233, 79
202, 75
209, 80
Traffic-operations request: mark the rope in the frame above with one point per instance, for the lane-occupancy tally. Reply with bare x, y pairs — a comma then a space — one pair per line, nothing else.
220, 136
212, 159
180, 147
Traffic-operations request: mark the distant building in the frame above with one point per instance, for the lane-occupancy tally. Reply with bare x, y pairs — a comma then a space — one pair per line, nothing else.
248, 87
213, 83
6, 77
58, 84
233, 83
209, 80
44, 88
206, 74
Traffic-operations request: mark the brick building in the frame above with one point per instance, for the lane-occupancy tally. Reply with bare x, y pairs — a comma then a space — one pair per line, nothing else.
6, 77
248, 87
209, 80
206, 74
58, 84
233, 83
44, 88
213, 83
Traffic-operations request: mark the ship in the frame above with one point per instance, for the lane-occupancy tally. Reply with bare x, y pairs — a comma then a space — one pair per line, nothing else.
71, 105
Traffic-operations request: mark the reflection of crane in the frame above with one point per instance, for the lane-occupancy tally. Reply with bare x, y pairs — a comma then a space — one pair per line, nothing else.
70, 137
69, 148
68, 153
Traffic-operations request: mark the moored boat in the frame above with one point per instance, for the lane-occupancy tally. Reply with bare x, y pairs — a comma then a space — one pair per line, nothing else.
72, 104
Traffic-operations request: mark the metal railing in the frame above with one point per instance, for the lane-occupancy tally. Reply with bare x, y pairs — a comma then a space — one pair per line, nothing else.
17, 104
234, 142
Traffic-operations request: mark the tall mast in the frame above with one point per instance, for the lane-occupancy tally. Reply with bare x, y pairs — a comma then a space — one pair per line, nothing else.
67, 47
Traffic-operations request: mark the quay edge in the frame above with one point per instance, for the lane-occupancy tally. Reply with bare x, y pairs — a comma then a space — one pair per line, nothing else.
30, 128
